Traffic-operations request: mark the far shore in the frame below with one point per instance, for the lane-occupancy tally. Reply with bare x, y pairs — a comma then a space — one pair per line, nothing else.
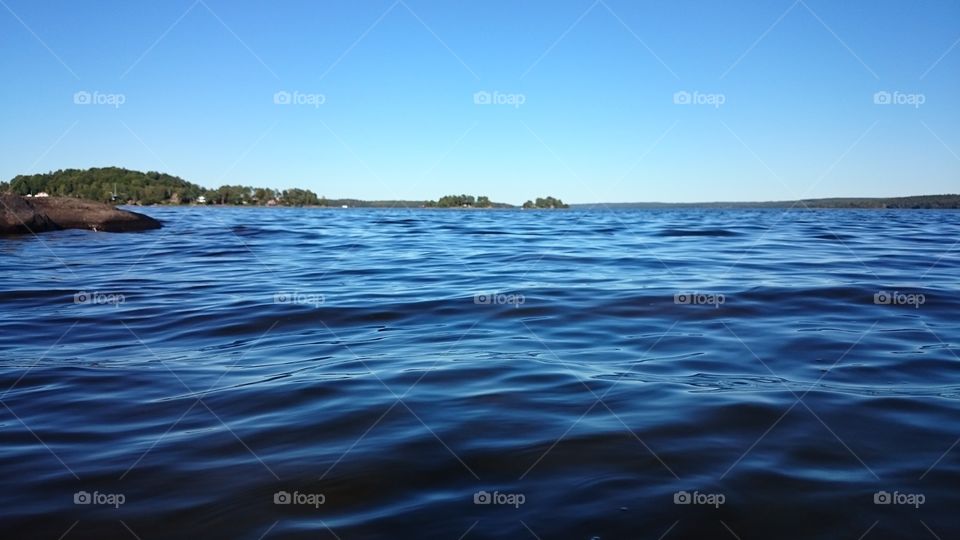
826, 204
112, 185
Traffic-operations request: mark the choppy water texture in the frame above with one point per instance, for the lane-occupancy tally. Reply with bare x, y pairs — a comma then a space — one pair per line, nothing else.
581, 372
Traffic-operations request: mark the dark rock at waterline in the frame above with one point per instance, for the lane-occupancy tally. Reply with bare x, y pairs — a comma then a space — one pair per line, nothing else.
24, 215
18, 216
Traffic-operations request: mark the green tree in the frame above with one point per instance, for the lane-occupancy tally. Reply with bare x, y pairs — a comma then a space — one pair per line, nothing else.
299, 197
262, 195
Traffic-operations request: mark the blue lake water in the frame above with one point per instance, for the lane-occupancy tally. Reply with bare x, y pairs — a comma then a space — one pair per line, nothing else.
308, 373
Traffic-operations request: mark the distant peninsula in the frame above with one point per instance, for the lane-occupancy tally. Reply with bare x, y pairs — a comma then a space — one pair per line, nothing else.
918, 202
117, 185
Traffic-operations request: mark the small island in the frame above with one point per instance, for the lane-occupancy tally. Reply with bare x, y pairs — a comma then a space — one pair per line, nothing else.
465, 201
548, 203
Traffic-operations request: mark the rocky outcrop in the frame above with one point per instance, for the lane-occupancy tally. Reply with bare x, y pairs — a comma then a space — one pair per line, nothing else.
18, 216
22, 215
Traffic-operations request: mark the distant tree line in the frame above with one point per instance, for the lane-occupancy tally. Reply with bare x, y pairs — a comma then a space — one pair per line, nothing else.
123, 186
469, 201
461, 201
917, 202
545, 202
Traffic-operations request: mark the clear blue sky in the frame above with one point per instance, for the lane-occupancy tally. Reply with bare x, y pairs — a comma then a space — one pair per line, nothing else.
597, 81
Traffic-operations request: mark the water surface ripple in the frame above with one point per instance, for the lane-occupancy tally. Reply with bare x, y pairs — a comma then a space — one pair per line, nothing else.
402, 366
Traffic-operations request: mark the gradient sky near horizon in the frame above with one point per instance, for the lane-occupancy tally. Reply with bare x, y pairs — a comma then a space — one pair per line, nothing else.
777, 99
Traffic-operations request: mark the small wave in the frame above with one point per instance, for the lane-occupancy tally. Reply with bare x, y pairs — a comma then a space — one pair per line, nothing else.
697, 232
834, 237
